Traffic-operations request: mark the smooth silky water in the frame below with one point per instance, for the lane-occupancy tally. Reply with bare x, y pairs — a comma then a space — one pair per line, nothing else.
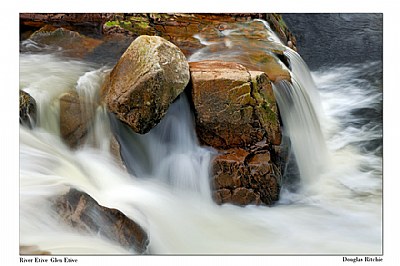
335, 209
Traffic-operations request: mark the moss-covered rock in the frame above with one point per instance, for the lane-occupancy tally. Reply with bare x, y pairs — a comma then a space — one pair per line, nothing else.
148, 77
233, 106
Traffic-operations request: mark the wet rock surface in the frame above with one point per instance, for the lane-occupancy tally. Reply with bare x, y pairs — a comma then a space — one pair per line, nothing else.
74, 119
69, 43
233, 106
27, 109
32, 250
245, 177
148, 77
234, 60
83, 213
236, 112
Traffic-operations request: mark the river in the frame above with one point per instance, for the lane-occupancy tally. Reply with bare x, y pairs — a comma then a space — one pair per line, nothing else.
333, 206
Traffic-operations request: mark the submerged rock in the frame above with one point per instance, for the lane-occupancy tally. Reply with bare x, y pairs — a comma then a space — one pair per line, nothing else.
148, 77
74, 120
32, 250
27, 109
83, 213
115, 149
71, 43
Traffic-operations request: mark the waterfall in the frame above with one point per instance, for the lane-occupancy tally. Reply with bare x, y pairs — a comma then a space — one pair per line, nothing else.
303, 128
300, 110
170, 152
166, 188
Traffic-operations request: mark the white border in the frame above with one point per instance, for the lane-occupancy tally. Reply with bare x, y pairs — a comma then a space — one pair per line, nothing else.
9, 140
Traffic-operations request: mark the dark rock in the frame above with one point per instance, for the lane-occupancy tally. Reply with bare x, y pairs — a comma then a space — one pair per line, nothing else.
83, 213
27, 110
279, 26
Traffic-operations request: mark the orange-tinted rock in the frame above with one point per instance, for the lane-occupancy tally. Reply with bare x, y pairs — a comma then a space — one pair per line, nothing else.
72, 43
233, 106
245, 196
241, 177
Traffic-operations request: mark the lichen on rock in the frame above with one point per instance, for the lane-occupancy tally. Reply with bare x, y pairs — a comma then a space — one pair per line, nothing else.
236, 113
146, 80
233, 106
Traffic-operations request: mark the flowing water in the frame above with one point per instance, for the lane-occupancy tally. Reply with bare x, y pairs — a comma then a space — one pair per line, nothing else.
336, 209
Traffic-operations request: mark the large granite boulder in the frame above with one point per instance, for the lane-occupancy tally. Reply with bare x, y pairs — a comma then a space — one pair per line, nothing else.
27, 109
236, 113
146, 80
83, 213
234, 107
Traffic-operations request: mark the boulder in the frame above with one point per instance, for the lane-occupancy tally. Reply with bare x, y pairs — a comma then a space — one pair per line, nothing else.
236, 113
74, 119
27, 109
241, 177
148, 77
72, 43
32, 250
234, 107
83, 213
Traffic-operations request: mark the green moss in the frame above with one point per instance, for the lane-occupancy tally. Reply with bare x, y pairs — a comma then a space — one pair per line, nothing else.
142, 24
112, 23
121, 23
137, 25
270, 115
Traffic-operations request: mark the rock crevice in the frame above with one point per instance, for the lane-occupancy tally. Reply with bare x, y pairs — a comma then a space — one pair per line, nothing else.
236, 113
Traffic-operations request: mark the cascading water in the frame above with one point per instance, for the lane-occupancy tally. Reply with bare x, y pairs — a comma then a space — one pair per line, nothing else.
299, 106
170, 152
302, 126
167, 190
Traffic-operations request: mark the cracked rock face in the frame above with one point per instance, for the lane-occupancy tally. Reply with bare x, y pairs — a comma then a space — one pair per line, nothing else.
236, 113
234, 107
245, 177
148, 77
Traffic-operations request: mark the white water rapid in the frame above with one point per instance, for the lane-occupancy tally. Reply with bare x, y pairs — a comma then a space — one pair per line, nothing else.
166, 187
